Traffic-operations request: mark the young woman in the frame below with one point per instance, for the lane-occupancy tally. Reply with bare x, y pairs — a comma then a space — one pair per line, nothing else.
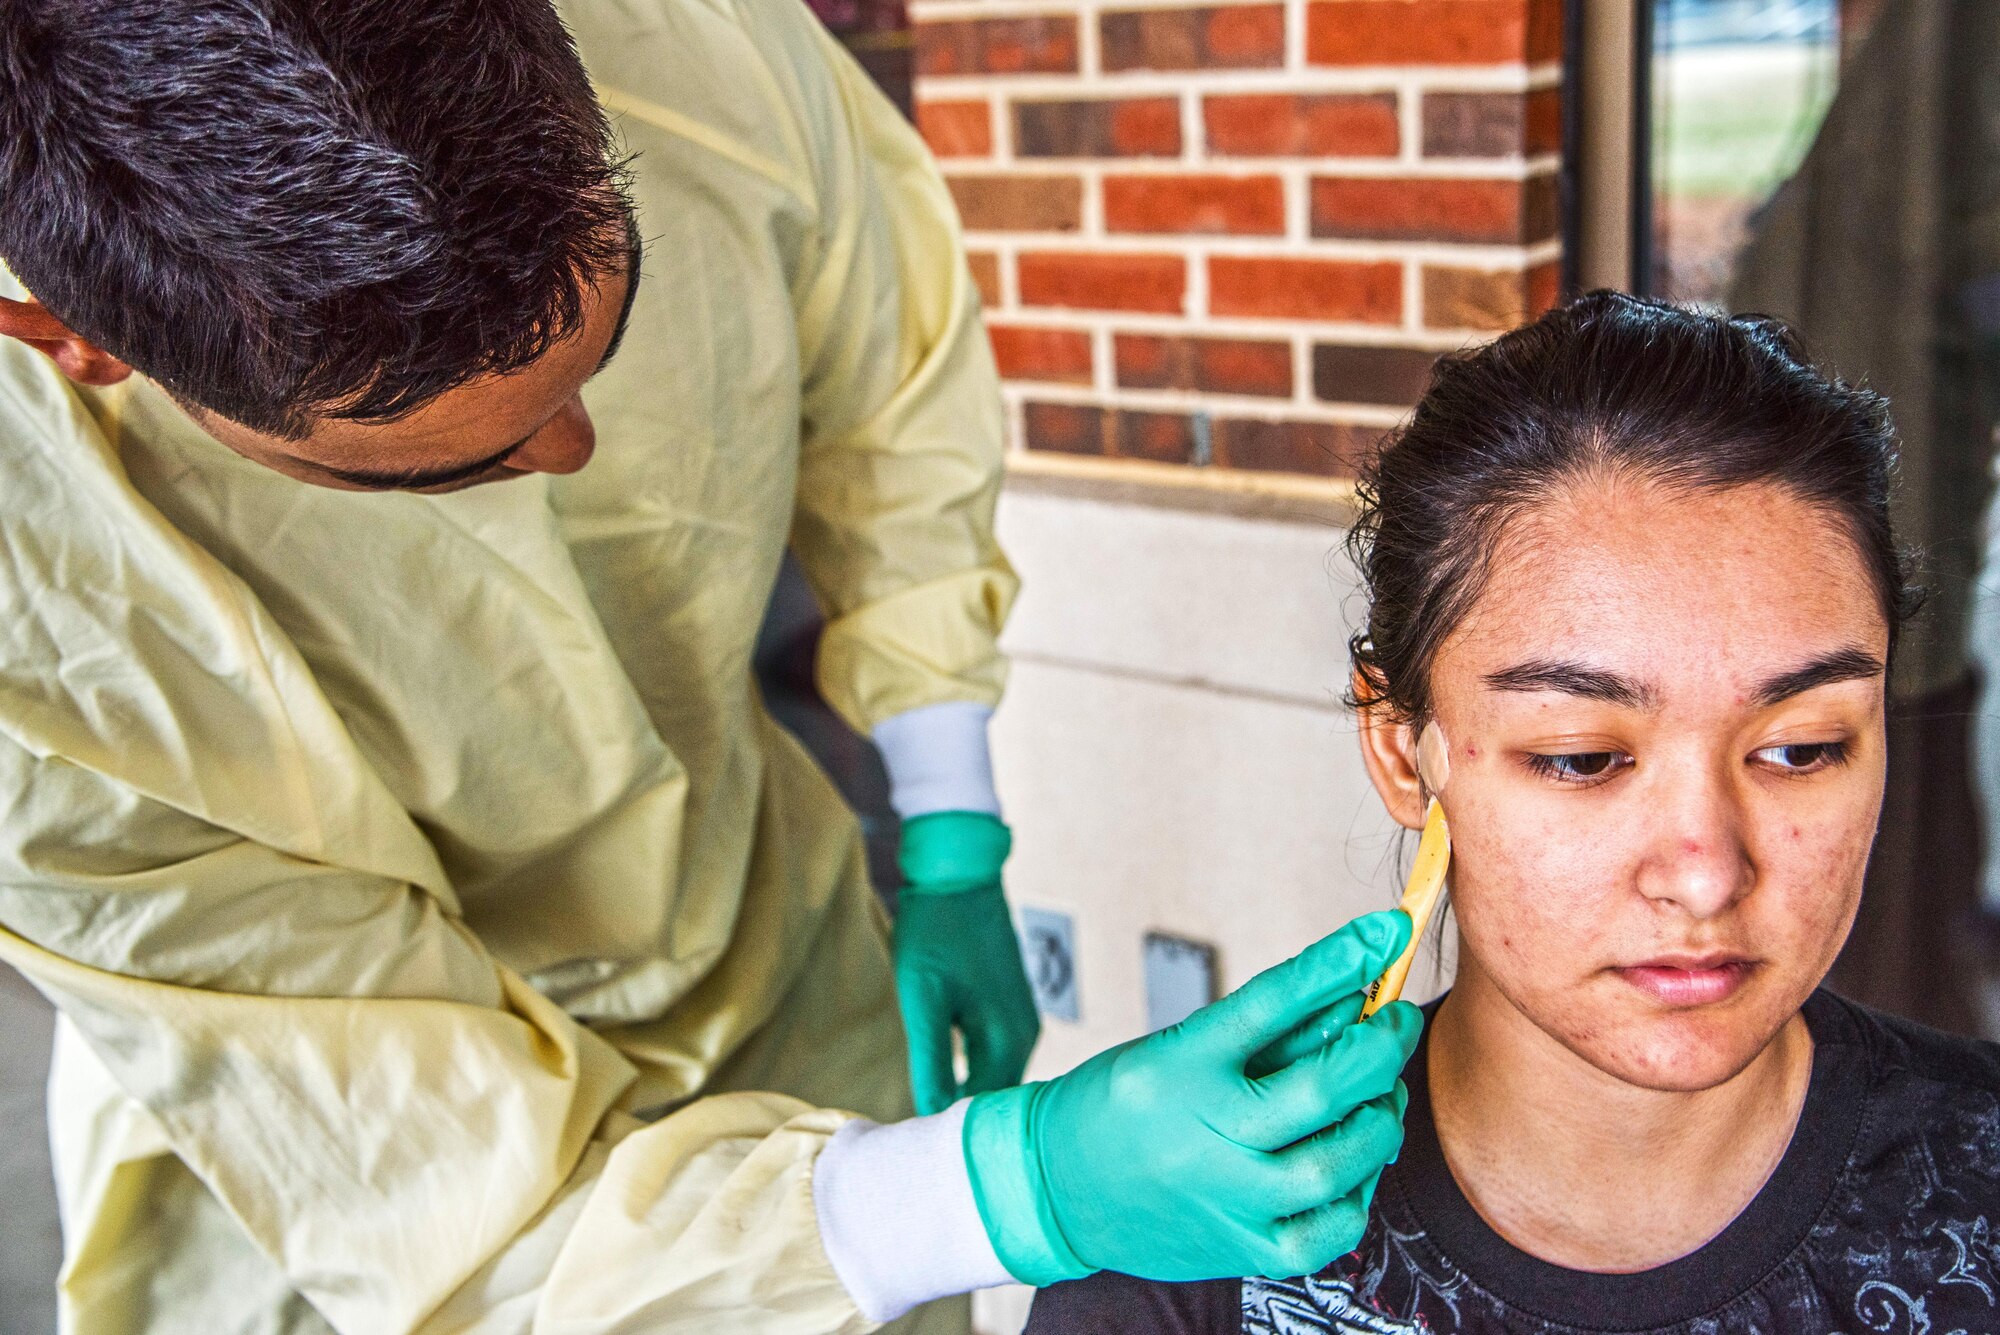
1635, 564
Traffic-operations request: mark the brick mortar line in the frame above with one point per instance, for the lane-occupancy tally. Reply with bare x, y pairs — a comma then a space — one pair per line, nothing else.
1373, 169
1197, 290
1093, 203
932, 11
1345, 334
1490, 256
1000, 125
1515, 168
938, 10
1302, 372
1010, 281
1409, 123
1298, 204
1172, 83
1373, 417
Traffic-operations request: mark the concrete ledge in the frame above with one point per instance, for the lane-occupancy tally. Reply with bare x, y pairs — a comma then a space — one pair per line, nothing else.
1278, 496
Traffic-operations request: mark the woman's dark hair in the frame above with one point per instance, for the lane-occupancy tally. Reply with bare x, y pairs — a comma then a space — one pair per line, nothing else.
1607, 384
287, 208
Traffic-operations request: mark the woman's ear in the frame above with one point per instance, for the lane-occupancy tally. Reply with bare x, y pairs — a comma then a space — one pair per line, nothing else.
1389, 749
79, 358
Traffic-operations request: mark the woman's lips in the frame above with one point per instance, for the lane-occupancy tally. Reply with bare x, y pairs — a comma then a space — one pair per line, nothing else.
1677, 982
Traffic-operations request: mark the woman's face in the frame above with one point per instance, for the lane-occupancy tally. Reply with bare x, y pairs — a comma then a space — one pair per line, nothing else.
1665, 725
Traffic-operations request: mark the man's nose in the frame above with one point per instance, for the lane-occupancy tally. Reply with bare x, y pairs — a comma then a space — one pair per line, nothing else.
1698, 861
564, 445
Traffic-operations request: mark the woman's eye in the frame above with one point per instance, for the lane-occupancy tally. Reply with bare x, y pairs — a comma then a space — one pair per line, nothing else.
1578, 766
1803, 757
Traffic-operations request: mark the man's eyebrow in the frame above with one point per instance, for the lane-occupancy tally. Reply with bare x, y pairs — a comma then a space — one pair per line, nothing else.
410, 479
1574, 679
636, 253
1848, 664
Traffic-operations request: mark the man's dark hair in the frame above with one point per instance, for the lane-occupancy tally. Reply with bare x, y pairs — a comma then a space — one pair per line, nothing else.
283, 209
1608, 384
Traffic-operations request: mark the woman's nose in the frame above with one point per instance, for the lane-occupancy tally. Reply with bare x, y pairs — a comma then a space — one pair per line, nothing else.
1698, 862
564, 445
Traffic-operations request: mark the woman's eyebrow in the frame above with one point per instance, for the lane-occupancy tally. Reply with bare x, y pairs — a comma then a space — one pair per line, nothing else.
1572, 678
1613, 688
1850, 664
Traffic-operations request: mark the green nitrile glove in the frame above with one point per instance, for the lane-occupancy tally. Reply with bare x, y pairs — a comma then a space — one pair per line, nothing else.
1166, 1159
958, 962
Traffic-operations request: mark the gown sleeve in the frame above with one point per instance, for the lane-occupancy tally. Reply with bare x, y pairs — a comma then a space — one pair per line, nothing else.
397, 1121
901, 434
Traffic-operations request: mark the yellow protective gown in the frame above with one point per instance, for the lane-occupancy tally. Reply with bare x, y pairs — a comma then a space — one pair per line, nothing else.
396, 861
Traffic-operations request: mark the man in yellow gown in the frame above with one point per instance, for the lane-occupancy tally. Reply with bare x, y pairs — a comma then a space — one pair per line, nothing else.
445, 937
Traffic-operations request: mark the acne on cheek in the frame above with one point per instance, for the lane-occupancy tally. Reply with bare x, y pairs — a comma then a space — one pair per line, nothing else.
1821, 884
1809, 887
1525, 906
1542, 899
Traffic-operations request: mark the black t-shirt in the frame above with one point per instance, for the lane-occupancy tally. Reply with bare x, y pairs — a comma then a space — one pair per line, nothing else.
1884, 1215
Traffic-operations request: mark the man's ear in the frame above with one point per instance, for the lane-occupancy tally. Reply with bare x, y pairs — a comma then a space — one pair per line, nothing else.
1389, 749
79, 358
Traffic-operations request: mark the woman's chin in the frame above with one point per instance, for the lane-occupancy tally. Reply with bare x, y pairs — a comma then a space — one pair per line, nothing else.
1677, 1049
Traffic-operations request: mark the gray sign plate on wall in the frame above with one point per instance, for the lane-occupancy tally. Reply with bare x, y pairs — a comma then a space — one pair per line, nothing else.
1180, 978
1048, 949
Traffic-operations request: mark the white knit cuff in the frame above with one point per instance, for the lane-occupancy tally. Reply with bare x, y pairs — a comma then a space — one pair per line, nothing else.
938, 761
897, 1217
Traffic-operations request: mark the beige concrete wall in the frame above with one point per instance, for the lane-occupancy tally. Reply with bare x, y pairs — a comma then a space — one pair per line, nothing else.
1172, 751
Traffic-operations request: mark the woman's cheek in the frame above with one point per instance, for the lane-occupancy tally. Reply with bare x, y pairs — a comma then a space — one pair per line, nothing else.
1810, 891
1532, 888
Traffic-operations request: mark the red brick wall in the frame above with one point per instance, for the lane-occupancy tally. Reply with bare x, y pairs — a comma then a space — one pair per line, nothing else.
1236, 235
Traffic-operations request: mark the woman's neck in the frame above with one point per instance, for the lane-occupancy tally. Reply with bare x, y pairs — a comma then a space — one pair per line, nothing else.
1583, 1170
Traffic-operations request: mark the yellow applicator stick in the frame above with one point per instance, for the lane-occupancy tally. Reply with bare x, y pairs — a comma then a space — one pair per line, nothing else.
1425, 888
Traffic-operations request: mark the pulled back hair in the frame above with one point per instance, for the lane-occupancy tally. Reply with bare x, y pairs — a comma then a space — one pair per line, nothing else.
281, 209
1608, 385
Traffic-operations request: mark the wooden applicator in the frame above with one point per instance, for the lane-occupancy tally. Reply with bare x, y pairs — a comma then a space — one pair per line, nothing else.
1425, 888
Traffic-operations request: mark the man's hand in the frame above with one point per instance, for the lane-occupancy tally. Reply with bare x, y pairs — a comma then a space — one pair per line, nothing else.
1193, 1153
958, 962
